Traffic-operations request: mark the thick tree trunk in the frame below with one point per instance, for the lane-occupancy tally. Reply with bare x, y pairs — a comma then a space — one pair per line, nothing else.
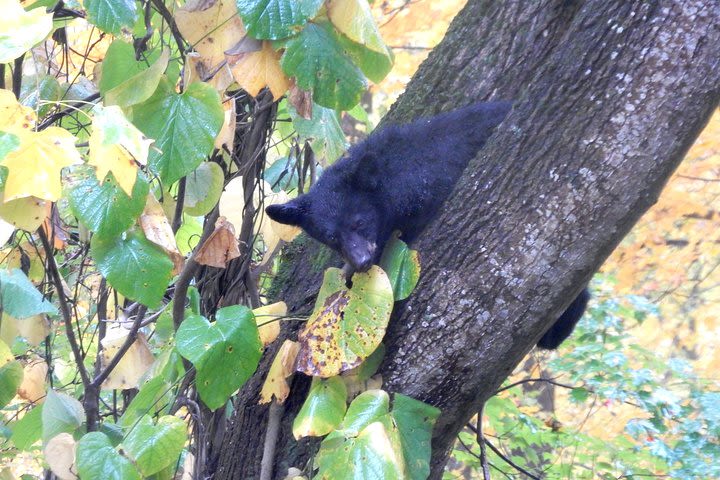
609, 95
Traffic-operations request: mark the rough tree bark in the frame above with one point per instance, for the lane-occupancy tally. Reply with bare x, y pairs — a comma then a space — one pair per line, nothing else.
609, 96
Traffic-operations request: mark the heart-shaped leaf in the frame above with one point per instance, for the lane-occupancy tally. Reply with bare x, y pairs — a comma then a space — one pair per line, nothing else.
154, 447
224, 353
103, 207
97, 458
137, 268
347, 325
415, 421
323, 409
320, 63
275, 19
184, 127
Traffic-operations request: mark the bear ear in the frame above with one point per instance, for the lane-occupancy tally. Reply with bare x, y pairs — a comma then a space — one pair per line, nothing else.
290, 213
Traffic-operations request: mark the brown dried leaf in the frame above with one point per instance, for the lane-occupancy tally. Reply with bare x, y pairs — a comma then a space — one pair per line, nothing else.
157, 229
255, 70
220, 247
302, 101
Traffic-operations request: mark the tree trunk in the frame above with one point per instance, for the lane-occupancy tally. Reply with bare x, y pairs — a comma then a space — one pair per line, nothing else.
608, 97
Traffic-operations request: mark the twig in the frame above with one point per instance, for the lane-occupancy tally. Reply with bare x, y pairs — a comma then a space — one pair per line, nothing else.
503, 457
191, 266
167, 16
17, 75
530, 380
64, 307
140, 44
272, 431
72, 108
177, 219
129, 340
481, 441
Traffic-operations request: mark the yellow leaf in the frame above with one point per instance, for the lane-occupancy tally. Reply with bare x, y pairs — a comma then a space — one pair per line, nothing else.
267, 320
226, 136
34, 329
6, 231
211, 27
34, 168
115, 146
157, 229
33, 385
253, 71
354, 19
276, 383
60, 456
26, 213
133, 365
14, 116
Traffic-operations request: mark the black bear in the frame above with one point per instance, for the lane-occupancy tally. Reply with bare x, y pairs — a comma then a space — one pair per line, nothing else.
397, 179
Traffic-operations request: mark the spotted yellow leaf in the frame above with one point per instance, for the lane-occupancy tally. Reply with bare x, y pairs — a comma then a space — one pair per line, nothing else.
276, 383
347, 324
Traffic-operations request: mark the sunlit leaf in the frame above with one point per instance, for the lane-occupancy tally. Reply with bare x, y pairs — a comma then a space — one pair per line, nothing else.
323, 409
354, 19
268, 320
21, 30
34, 385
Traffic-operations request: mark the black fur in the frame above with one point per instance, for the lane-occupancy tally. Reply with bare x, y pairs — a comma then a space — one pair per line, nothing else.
397, 179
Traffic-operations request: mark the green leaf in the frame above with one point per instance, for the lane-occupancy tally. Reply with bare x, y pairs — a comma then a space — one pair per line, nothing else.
415, 420
28, 430
188, 235
368, 407
154, 447
184, 128
97, 458
370, 366
38, 91
11, 374
119, 65
323, 409
9, 142
320, 63
276, 19
140, 86
18, 296
323, 130
203, 188
402, 267
224, 353
152, 399
373, 64
61, 414
347, 325
22, 30
105, 208
137, 268
111, 15
579, 394
375, 452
